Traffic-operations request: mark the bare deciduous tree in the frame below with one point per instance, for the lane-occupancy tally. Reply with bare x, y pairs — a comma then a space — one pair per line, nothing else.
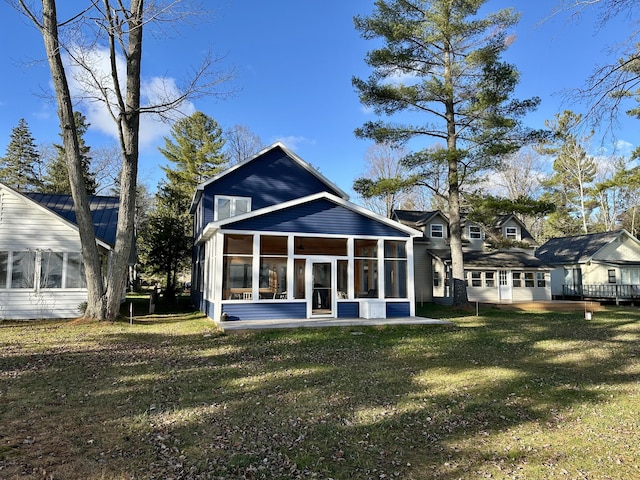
384, 162
241, 143
519, 174
609, 86
117, 29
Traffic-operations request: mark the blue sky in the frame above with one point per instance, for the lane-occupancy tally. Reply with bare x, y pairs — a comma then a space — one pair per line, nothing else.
294, 61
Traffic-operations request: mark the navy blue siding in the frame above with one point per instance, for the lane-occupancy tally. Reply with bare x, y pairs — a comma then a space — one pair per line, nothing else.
399, 309
271, 179
321, 217
264, 311
348, 309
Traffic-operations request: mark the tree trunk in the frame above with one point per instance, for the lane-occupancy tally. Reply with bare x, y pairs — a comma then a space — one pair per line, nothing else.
90, 254
453, 159
128, 129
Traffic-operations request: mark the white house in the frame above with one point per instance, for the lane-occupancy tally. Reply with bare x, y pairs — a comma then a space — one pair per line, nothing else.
41, 268
603, 266
493, 275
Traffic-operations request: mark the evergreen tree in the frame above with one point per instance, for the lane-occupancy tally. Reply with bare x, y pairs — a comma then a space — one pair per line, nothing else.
165, 239
19, 167
57, 178
442, 61
196, 150
570, 185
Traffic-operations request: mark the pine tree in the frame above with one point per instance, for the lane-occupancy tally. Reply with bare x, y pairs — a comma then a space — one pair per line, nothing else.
570, 185
57, 178
165, 237
441, 61
19, 167
196, 150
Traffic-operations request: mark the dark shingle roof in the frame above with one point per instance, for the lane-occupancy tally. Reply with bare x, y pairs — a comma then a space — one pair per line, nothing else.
575, 249
104, 212
413, 218
494, 259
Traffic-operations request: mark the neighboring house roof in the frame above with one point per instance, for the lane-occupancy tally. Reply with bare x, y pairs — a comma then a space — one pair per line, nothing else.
276, 146
412, 217
495, 259
104, 212
576, 249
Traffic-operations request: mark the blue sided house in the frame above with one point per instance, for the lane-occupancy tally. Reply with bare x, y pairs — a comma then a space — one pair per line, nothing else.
273, 238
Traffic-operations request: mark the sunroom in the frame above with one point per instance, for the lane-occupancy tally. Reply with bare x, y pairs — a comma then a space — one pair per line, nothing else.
249, 270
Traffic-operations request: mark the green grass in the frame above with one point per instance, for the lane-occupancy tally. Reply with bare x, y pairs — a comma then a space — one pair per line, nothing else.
501, 395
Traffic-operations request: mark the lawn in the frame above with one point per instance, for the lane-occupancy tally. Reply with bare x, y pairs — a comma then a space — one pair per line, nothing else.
502, 395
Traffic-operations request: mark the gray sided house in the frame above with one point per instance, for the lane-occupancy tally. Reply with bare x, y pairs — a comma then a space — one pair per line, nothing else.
602, 266
493, 275
41, 268
275, 239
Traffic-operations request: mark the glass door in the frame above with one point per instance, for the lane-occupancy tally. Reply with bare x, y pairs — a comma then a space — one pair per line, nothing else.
504, 286
322, 291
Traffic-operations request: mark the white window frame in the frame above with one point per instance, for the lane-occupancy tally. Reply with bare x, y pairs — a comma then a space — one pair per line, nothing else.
432, 231
475, 232
232, 205
511, 233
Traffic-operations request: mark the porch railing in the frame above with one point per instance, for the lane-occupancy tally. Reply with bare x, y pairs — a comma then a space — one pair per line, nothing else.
604, 292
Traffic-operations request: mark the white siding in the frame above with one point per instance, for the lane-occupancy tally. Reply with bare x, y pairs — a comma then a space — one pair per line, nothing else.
22, 304
557, 280
25, 226
621, 249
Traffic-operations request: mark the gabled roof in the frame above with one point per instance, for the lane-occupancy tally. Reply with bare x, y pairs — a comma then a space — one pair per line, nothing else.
104, 212
255, 214
576, 249
416, 218
256, 157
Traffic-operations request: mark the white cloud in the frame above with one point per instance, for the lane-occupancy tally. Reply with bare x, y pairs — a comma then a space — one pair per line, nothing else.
622, 147
153, 91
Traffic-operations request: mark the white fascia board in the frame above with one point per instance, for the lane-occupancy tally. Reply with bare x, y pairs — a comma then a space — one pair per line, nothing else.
209, 231
317, 196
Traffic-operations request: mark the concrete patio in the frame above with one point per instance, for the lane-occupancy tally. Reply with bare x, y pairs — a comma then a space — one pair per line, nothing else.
234, 325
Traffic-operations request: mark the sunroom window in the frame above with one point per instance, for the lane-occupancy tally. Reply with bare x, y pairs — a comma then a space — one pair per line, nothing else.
23, 268
395, 269
366, 268
237, 267
4, 268
273, 267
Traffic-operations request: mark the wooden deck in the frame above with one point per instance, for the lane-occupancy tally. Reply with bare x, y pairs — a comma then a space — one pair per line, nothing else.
553, 306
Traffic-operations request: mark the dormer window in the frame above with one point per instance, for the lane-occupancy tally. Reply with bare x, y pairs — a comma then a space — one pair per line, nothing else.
437, 230
474, 232
511, 233
226, 207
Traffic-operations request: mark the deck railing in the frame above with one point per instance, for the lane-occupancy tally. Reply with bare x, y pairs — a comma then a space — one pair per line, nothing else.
605, 292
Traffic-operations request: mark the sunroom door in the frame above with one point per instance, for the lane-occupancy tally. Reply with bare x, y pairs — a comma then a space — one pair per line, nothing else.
322, 288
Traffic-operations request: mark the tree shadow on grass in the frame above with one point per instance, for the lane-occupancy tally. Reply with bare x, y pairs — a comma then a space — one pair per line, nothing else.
390, 402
